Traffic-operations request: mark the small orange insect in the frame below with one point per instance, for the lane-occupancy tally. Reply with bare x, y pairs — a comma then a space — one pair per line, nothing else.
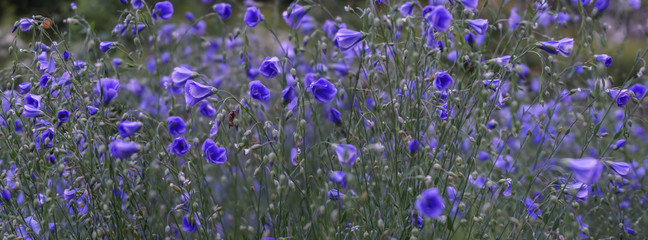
47, 23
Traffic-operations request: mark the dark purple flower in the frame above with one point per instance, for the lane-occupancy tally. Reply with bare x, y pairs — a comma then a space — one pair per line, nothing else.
586, 170
601, 5
137, 4
346, 39
122, 149
18, 125
190, 224
107, 88
334, 194
407, 8
335, 116
31, 106
413, 146
128, 128
532, 208
213, 153
479, 25
439, 18
621, 97
288, 94
483, 156
196, 92
224, 10
162, 10
430, 204
339, 177
24, 88
92, 110
207, 110
331, 28
638, 89
442, 81
25, 25
252, 17
294, 14
270, 67
258, 91
323, 90
6, 195
105, 46
63, 115
346, 154
179, 146
176, 126
603, 58
619, 144
45, 139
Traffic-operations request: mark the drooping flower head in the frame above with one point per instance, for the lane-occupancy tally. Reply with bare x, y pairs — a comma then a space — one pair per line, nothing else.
270, 67
128, 128
181, 75
603, 58
563, 46
586, 170
347, 154
439, 18
252, 17
479, 25
176, 126
122, 150
196, 92
258, 91
179, 146
107, 88
346, 39
224, 10
470, 4
430, 203
213, 153
294, 14
323, 90
162, 10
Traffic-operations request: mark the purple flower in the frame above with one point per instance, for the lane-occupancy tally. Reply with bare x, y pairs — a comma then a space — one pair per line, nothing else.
63, 115
331, 28
430, 204
176, 126
107, 88
127, 128
586, 170
92, 110
407, 8
638, 90
179, 146
293, 15
562, 18
323, 90
25, 25
162, 10
105, 46
190, 224
619, 144
470, 4
439, 18
334, 194
258, 91
339, 177
621, 97
585, 2
483, 156
224, 10
622, 169
505, 163
196, 92
636, 4
213, 153
270, 67
442, 81
601, 5
532, 208
479, 25
45, 139
563, 46
603, 58
288, 94
514, 19
346, 39
24, 87
413, 146
252, 17
137, 4
31, 106
181, 75
122, 149
6, 195
335, 116
346, 154
207, 110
